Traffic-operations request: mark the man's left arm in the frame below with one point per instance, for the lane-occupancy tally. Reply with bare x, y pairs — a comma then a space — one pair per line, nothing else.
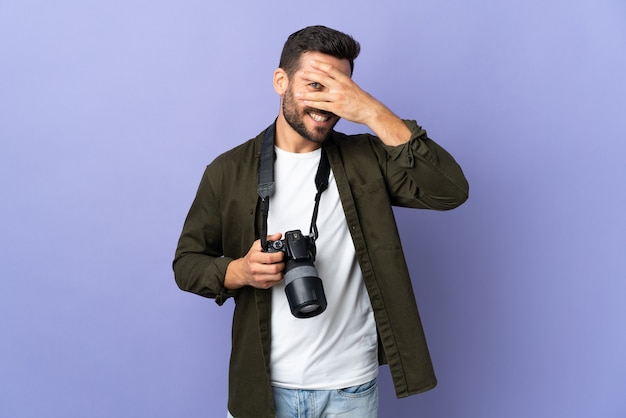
435, 180
422, 174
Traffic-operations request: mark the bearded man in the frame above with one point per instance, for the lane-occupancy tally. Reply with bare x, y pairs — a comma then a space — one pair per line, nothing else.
310, 329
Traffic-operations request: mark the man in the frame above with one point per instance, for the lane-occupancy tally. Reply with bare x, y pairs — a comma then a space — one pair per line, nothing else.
324, 365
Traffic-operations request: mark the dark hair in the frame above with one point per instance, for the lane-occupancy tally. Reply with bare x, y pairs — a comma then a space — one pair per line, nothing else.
320, 39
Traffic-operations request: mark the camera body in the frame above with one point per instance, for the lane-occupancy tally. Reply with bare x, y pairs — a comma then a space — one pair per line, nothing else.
303, 286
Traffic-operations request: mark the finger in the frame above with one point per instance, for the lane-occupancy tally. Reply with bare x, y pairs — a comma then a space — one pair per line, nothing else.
275, 237
265, 272
323, 101
267, 279
256, 245
329, 69
269, 283
324, 105
314, 98
264, 283
262, 258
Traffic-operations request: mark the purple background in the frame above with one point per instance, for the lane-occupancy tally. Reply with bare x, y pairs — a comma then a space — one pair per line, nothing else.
109, 111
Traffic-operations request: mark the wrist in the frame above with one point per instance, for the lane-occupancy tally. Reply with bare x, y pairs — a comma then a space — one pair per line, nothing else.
232, 278
389, 128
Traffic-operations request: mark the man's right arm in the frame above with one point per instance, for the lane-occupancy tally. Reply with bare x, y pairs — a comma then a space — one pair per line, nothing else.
200, 265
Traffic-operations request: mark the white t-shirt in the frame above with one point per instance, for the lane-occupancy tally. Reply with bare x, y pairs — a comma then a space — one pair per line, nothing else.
337, 348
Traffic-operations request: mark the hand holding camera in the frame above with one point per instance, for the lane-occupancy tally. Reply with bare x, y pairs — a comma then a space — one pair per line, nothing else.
257, 268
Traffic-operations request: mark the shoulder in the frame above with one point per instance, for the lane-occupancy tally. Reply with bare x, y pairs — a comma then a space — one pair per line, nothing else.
234, 167
242, 155
356, 146
243, 152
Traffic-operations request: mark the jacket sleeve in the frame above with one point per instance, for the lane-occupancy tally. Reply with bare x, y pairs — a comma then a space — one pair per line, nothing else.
421, 174
199, 263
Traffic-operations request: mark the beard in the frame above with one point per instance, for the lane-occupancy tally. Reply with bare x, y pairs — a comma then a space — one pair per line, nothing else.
295, 119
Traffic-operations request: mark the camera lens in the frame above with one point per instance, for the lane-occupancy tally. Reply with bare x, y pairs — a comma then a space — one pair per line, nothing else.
309, 309
304, 289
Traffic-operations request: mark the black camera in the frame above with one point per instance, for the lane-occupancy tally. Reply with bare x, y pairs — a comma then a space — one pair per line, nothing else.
303, 287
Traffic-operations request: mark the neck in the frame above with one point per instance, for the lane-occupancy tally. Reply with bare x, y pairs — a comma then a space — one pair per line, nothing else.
287, 139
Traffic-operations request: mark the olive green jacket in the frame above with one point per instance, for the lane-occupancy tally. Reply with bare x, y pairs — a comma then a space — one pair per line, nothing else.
224, 221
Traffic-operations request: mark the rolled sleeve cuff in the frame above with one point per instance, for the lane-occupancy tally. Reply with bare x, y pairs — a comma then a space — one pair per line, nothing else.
223, 294
404, 154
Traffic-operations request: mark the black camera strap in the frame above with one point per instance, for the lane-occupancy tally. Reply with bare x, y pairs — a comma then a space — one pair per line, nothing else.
266, 185
321, 183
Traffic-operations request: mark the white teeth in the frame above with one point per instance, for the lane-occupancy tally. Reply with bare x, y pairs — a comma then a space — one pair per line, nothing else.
318, 118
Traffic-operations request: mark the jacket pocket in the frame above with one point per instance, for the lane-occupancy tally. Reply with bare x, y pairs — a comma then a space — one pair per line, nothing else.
376, 215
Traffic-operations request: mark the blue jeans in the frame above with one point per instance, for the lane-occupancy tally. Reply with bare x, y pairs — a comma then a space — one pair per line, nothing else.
359, 401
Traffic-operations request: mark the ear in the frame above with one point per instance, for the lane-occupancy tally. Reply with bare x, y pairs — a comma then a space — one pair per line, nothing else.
281, 81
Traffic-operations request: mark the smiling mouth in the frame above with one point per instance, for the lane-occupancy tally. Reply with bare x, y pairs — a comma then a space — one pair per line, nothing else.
319, 116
